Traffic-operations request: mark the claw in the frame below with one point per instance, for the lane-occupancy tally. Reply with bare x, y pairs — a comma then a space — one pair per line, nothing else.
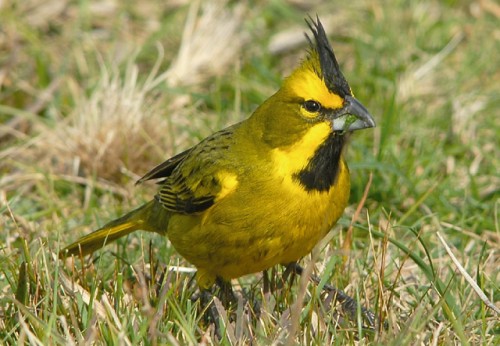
349, 305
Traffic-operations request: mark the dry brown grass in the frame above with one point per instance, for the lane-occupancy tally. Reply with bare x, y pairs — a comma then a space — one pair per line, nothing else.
125, 125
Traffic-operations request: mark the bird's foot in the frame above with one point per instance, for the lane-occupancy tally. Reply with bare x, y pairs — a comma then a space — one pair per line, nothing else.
349, 305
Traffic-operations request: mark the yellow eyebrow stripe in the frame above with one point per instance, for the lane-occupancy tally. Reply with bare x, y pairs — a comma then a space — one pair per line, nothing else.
308, 85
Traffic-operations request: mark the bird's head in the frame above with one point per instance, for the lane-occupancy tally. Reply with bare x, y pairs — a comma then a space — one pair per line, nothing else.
315, 95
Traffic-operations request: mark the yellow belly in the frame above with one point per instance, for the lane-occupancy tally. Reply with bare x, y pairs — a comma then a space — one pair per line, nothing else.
254, 229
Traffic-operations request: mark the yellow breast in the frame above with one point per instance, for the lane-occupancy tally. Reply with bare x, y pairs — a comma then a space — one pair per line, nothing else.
267, 219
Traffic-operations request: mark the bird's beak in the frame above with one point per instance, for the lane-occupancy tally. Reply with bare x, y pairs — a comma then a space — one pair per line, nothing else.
354, 116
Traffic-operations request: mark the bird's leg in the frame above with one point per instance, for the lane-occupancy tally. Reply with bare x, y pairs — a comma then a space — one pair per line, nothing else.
349, 305
266, 283
210, 315
275, 285
289, 273
226, 293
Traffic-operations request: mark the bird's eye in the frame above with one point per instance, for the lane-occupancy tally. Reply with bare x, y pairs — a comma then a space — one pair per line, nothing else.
312, 106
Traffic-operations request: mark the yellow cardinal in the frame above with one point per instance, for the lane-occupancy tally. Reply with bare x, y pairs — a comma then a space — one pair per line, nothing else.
262, 192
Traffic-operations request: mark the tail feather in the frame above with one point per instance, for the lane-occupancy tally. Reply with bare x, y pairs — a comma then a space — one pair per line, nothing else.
133, 221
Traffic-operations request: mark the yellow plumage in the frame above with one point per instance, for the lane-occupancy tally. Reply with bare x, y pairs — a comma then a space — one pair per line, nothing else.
261, 192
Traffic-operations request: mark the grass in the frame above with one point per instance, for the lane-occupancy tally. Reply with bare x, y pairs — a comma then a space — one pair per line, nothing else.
93, 95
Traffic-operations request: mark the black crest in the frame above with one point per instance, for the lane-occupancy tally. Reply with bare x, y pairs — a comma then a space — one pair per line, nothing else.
330, 70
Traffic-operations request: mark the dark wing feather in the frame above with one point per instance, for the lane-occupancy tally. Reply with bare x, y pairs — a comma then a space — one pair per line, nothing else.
165, 169
191, 182
180, 198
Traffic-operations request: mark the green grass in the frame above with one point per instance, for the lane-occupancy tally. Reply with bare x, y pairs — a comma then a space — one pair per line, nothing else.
78, 78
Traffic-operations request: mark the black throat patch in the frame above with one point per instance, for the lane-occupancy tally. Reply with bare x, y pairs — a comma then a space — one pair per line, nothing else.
323, 169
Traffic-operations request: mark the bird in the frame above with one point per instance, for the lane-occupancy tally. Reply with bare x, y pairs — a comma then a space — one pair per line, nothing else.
263, 191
